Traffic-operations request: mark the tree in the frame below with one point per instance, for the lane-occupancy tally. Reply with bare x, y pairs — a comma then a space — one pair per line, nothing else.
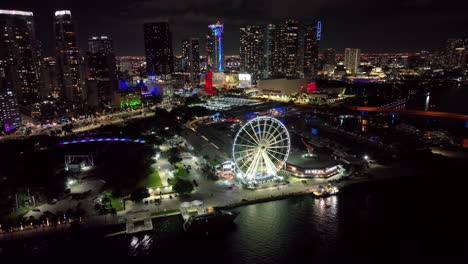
139, 194
174, 155
183, 187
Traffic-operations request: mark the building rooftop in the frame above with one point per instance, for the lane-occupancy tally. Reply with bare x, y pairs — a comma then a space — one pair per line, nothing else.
298, 159
15, 13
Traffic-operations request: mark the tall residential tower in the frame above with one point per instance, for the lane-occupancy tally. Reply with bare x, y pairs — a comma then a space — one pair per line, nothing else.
68, 57
312, 37
102, 76
191, 60
251, 50
18, 54
158, 49
352, 60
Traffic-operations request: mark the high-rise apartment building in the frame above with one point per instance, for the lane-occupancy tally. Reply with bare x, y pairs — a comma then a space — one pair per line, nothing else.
311, 40
19, 55
101, 75
215, 47
10, 117
352, 60
292, 47
68, 57
158, 49
455, 52
50, 78
251, 50
191, 60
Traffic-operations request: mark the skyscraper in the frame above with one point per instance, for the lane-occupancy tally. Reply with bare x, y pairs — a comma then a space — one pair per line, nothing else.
311, 49
251, 50
352, 60
330, 57
276, 57
191, 60
10, 117
292, 47
455, 52
215, 47
18, 53
50, 77
158, 49
102, 75
68, 57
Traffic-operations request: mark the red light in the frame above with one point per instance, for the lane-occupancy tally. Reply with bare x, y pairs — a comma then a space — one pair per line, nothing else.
209, 83
311, 87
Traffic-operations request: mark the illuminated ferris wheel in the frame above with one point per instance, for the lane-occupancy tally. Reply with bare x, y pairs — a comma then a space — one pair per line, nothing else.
261, 148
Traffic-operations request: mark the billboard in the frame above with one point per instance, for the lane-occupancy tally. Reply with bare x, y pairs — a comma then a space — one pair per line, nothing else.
219, 79
245, 80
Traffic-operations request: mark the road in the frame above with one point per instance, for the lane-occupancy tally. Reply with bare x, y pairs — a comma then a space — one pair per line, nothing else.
411, 112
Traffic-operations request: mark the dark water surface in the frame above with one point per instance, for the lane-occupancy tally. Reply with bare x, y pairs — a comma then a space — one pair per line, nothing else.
402, 221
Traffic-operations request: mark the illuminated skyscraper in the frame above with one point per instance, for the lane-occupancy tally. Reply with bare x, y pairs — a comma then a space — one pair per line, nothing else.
292, 47
18, 52
68, 57
158, 49
10, 117
251, 50
352, 60
214, 47
312, 37
330, 57
50, 77
455, 52
102, 77
191, 60
276, 57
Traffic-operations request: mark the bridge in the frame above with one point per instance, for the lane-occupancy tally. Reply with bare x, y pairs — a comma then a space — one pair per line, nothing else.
447, 115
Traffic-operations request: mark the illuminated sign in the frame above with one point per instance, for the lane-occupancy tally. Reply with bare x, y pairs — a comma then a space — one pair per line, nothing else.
15, 13
319, 29
245, 77
63, 12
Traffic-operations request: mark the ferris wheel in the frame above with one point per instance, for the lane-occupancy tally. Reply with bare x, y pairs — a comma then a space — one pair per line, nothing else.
261, 148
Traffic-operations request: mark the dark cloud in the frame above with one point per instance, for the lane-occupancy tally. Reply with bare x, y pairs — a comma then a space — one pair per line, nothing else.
398, 25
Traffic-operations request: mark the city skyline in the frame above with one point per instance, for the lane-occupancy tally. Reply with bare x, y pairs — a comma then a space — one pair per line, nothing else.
373, 28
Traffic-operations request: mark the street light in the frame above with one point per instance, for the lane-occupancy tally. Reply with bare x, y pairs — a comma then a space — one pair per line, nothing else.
366, 157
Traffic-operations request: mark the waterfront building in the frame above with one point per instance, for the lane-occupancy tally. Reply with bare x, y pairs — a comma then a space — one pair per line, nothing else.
68, 57
352, 60
158, 49
18, 51
251, 51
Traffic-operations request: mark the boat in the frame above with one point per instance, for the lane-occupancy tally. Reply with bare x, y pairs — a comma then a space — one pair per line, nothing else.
325, 191
212, 219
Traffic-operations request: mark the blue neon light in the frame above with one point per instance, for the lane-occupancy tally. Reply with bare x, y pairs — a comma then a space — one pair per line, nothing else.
319, 29
220, 54
218, 30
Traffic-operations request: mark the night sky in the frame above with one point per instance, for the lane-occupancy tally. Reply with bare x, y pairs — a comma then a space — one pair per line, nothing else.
372, 25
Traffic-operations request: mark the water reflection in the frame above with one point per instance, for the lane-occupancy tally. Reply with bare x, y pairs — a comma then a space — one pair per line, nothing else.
141, 246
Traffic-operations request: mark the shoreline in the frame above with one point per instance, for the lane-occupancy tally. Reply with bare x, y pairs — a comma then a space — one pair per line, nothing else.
77, 228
